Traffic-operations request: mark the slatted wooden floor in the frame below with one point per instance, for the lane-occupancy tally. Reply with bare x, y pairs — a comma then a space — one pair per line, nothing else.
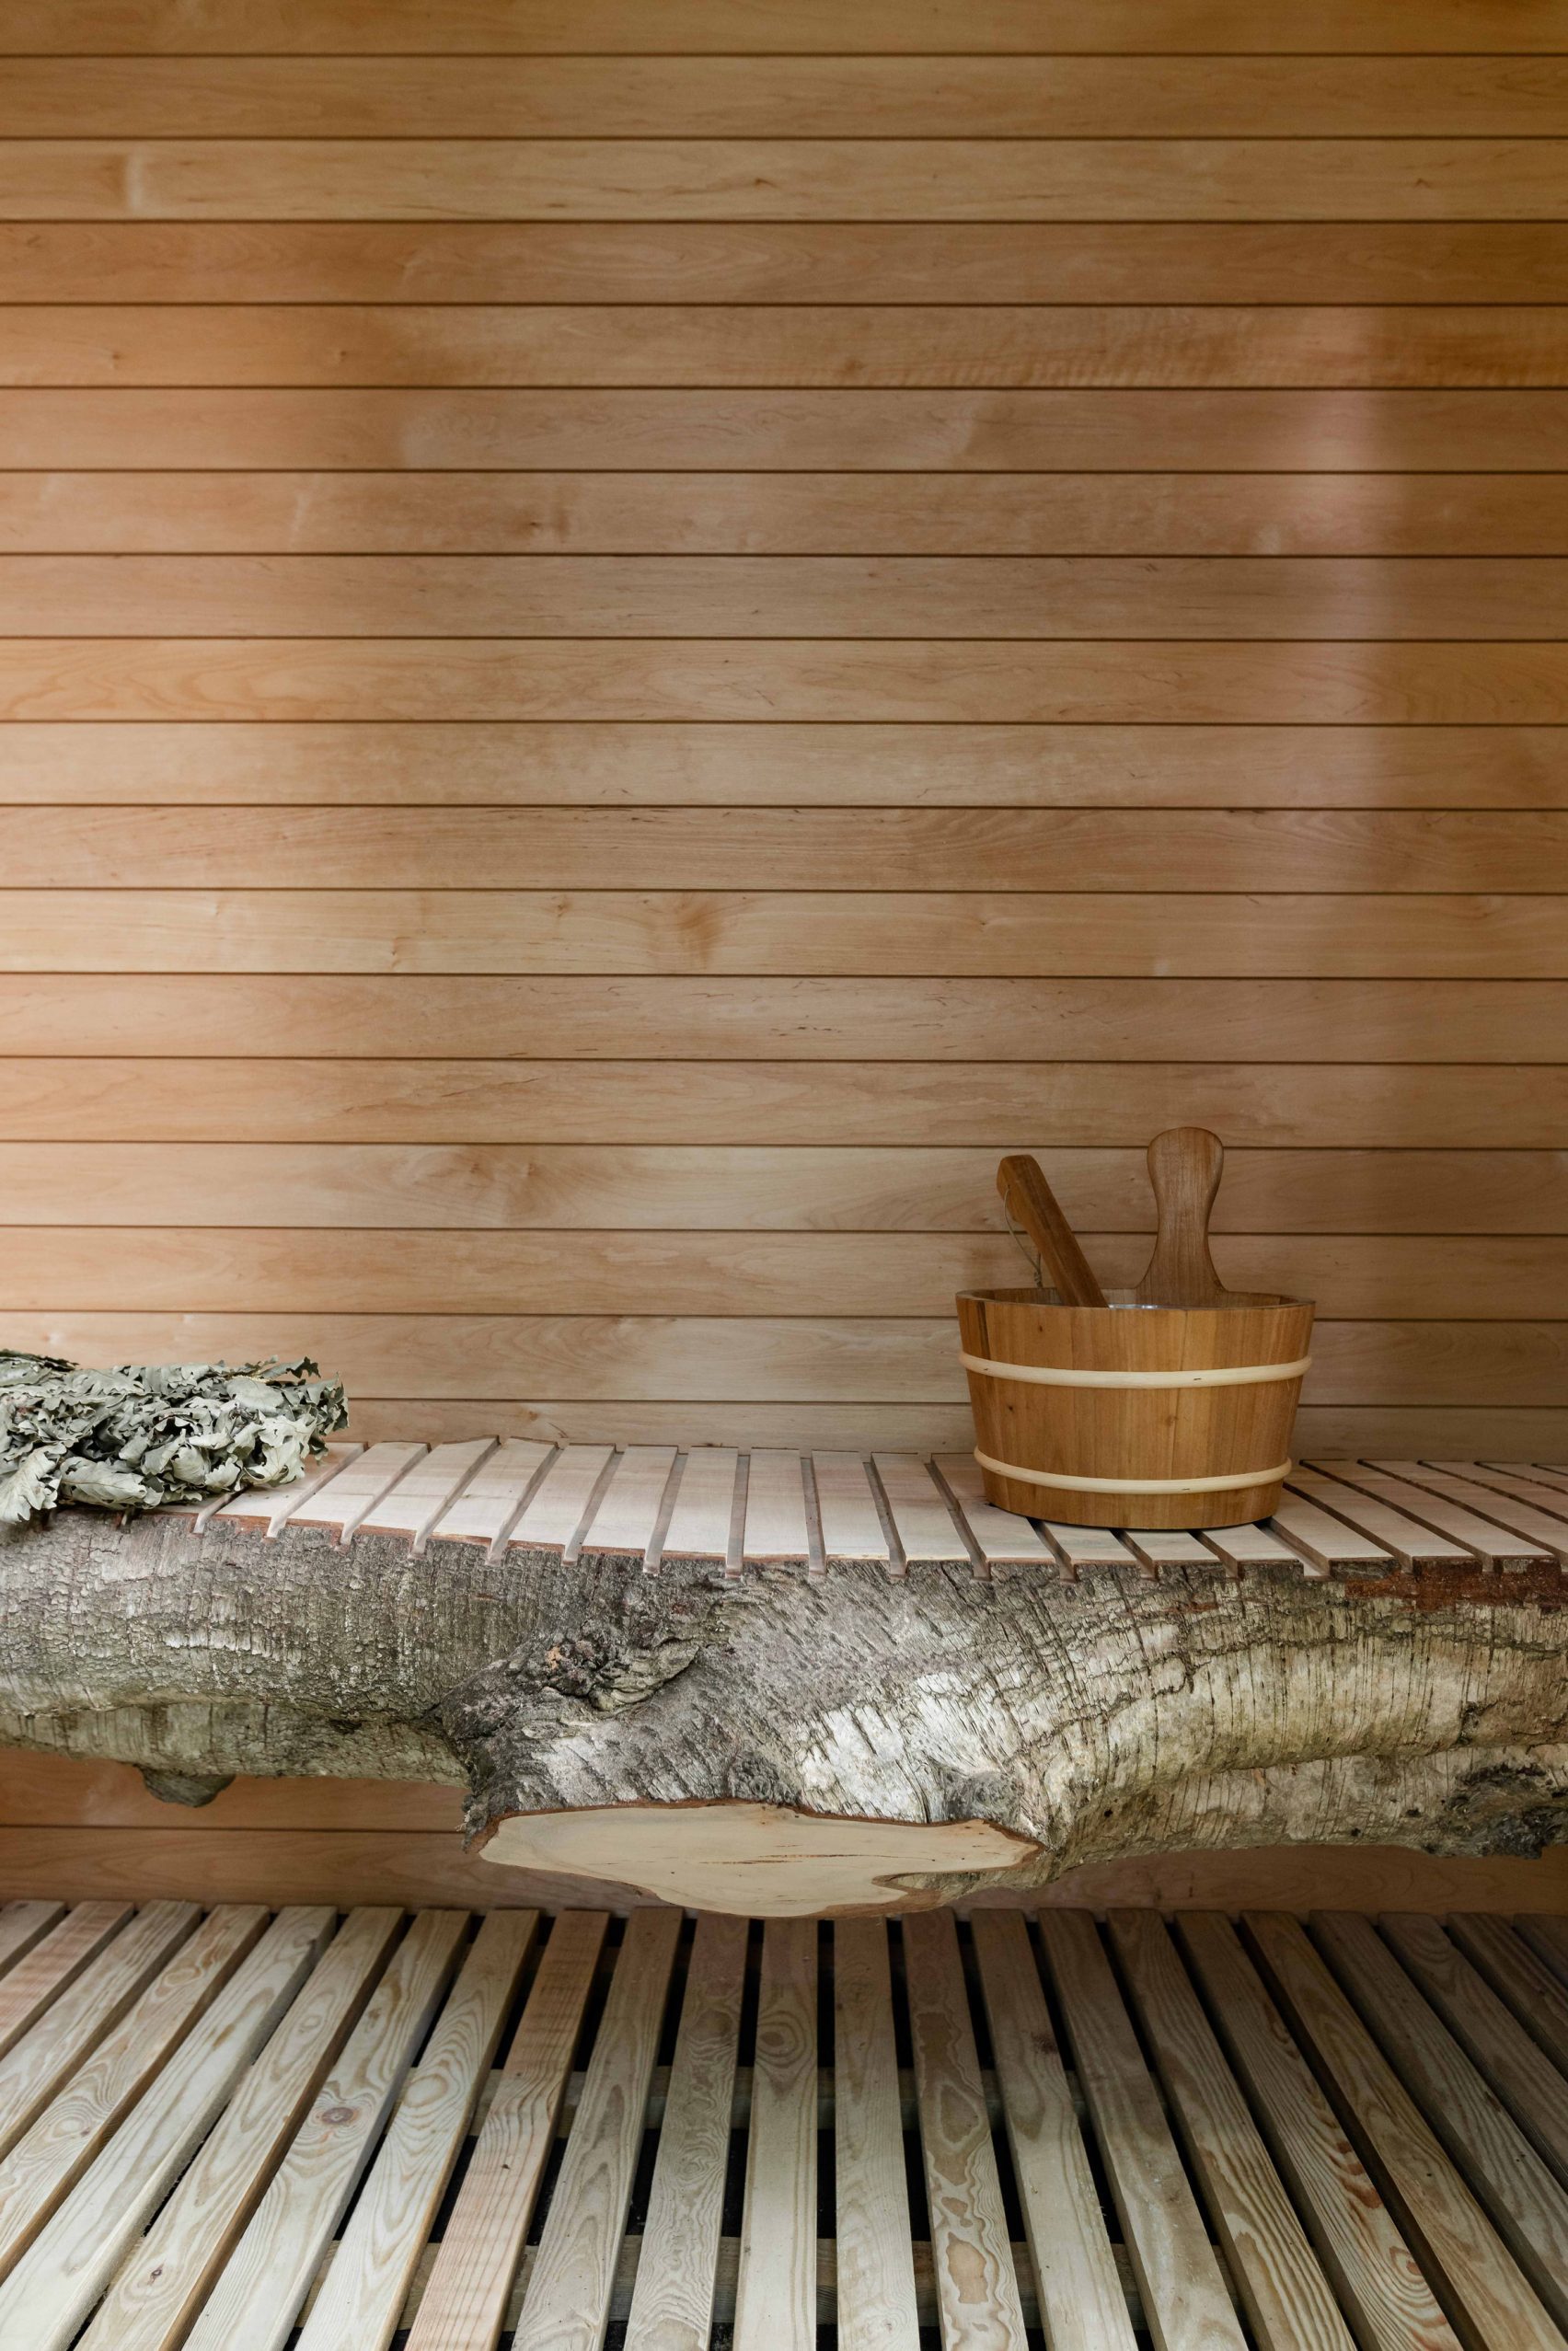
249, 2130
649, 1505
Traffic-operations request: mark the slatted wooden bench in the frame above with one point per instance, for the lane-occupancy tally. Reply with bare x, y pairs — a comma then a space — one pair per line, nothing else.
648, 1504
240, 2130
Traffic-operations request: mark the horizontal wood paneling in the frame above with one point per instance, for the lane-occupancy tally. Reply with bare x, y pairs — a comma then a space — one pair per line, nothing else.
704, 262
194, 1859
906, 1189
1153, 683
751, 345
761, 27
842, 1359
885, 179
1171, 430
279, 1271
815, 1021
677, 643
1064, 850
1009, 935
783, 96
373, 763
780, 513
1399, 1432
1027, 598
243, 1098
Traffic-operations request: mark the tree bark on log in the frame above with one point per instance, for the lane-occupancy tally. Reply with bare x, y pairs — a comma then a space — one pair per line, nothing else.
775, 1744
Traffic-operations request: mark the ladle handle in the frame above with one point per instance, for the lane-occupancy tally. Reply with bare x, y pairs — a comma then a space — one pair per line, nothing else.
1185, 1165
1032, 1205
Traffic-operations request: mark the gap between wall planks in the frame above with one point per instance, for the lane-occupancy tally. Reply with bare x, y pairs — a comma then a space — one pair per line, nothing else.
756, 624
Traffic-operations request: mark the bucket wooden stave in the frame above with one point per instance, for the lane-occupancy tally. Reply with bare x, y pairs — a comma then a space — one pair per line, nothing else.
1136, 1415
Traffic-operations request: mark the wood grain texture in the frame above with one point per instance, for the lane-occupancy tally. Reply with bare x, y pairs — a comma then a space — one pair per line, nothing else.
776, 2287
787, 583
913, 345
155, 96
509, 26
989, 430
764, 763
420, 512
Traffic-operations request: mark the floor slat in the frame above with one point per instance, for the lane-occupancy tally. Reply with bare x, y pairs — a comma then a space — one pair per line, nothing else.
158, 2291
466, 2296
51, 2291
226, 2128
258, 2295
1445, 2227
1356, 2236
876, 2305
672, 2308
1080, 2294
1525, 2203
566, 2307
1179, 2277
977, 2283
55, 1960
376, 2260
1283, 2288
775, 2290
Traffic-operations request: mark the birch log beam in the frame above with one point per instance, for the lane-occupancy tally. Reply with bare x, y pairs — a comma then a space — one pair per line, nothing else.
770, 1744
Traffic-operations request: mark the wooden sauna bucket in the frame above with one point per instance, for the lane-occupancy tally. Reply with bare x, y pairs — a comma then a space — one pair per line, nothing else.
1130, 1415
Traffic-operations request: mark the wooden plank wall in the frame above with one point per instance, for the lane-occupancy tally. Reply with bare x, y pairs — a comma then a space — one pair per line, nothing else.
70, 1830
640, 631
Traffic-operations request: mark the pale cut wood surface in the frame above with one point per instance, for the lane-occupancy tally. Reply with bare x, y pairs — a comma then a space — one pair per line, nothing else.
775, 1526
465, 2297
776, 2293
425, 1491
567, 2303
1180, 2285
1545, 1529
672, 2306
874, 2273
851, 1524
156, 2293
1352, 2230
255, 2299
1390, 1528
701, 1524
627, 1511
976, 2286
921, 1515
1284, 2292
1489, 1540
1448, 2229
485, 1507
375, 2259
1080, 2293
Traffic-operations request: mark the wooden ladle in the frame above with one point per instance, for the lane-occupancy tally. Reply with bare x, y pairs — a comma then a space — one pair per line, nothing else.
1185, 1164
1033, 1208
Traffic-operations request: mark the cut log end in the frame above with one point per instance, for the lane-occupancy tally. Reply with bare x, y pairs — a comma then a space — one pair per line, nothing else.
759, 1861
